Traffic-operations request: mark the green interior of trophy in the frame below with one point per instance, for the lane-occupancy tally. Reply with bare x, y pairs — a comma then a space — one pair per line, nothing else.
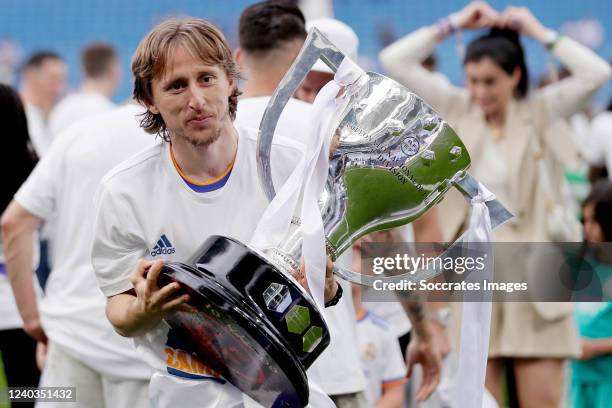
380, 198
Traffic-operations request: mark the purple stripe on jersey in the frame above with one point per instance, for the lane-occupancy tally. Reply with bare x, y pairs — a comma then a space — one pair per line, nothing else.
183, 374
208, 187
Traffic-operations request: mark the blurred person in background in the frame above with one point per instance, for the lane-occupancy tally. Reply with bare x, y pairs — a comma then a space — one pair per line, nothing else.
320, 74
271, 35
10, 55
598, 141
82, 350
43, 82
102, 74
380, 357
591, 383
506, 132
18, 349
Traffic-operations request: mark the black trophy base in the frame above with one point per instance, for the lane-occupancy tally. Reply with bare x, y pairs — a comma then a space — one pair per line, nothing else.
253, 325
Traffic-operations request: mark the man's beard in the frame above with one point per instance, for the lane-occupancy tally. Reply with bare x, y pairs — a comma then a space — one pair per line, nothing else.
195, 142
199, 142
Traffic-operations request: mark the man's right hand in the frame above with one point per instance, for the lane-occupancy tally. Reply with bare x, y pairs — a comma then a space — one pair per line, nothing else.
134, 312
152, 302
33, 327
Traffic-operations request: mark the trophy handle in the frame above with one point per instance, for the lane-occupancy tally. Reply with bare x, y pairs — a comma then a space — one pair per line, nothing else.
315, 46
468, 186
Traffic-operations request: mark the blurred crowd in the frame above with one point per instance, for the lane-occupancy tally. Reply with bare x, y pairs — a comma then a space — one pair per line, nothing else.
544, 151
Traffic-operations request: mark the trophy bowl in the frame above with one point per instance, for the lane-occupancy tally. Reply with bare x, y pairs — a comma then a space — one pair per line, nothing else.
391, 158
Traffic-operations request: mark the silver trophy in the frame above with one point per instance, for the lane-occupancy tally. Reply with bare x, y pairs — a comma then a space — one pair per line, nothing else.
393, 158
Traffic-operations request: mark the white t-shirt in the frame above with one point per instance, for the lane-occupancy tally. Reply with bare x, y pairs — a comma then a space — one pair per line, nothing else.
145, 200
293, 121
393, 313
74, 107
37, 128
380, 355
63, 185
337, 369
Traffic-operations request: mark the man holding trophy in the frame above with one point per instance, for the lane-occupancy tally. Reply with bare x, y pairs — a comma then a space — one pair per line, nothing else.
199, 178
195, 322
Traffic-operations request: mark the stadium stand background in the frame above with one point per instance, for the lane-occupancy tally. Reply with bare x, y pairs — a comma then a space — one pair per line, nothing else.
66, 25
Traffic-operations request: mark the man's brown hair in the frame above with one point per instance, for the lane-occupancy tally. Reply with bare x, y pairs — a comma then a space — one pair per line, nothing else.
202, 39
37, 59
266, 25
97, 58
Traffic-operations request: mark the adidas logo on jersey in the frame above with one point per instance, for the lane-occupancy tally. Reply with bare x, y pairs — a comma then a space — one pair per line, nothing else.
163, 247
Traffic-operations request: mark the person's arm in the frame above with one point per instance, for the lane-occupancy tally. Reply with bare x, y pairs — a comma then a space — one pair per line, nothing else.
589, 72
138, 311
402, 59
18, 226
423, 346
391, 398
402, 62
439, 324
34, 202
134, 302
426, 228
592, 348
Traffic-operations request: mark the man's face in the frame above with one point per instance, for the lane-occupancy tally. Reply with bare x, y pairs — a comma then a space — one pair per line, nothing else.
312, 84
49, 79
192, 98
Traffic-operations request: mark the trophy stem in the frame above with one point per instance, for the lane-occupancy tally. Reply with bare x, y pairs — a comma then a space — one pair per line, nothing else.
282, 261
288, 255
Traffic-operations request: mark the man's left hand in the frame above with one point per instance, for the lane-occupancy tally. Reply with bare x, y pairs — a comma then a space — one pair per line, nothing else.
331, 286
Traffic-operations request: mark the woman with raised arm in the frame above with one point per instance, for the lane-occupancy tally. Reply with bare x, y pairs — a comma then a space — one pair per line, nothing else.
507, 131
